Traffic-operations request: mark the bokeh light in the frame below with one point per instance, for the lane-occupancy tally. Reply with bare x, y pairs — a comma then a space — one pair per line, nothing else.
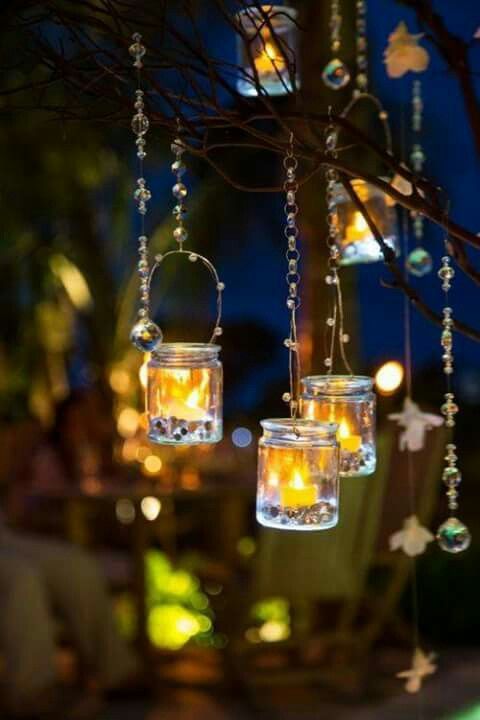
152, 464
389, 377
151, 507
127, 422
125, 511
242, 437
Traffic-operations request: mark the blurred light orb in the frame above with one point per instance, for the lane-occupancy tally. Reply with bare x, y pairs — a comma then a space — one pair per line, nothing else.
242, 437
389, 377
151, 507
127, 422
152, 464
119, 380
125, 511
129, 450
274, 631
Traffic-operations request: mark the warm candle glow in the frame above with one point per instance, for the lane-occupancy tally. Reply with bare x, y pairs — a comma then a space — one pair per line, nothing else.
183, 394
348, 442
389, 377
357, 229
269, 60
297, 493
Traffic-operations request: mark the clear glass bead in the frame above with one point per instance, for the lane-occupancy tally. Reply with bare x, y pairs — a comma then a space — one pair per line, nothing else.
180, 234
452, 476
178, 168
447, 339
446, 272
179, 191
419, 262
137, 50
336, 74
140, 124
453, 536
142, 194
146, 335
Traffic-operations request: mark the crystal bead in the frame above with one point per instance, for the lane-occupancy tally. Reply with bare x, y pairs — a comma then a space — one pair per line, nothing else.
453, 536
419, 262
345, 338
331, 140
179, 211
179, 191
178, 168
142, 194
327, 362
218, 331
362, 80
446, 272
286, 397
291, 304
140, 124
220, 286
447, 339
146, 335
192, 257
452, 476
449, 408
137, 50
330, 322
180, 234
336, 75
177, 147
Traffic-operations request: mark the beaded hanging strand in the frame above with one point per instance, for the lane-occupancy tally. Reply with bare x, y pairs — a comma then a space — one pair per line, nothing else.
145, 334
419, 261
290, 186
336, 74
452, 536
335, 322
361, 47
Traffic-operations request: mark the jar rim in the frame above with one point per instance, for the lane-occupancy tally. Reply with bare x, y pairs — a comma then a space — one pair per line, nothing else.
248, 15
300, 428
181, 350
337, 384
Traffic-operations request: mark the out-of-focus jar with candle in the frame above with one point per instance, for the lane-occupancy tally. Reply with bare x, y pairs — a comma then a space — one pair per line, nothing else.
274, 54
184, 394
347, 400
355, 240
298, 475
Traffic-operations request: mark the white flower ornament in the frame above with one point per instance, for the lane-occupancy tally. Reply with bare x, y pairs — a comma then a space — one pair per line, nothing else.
422, 666
403, 53
412, 539
415, 424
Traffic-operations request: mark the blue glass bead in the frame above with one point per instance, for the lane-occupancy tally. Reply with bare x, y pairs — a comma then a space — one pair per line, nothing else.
336, 74
419, 262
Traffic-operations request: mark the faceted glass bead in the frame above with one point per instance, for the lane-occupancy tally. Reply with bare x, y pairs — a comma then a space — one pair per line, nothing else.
137, 50
419, 262
146, 335
179, 191
453, 536
452, 476
336, 75
140, 124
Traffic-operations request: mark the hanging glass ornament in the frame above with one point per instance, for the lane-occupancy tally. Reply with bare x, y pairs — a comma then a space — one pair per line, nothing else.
348, 401
184, 380
267, 45
452, 535
297, 459
419, 262
298, 475
336, 74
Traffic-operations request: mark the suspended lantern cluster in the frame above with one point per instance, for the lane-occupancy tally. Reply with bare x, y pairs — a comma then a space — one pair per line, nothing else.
330, 430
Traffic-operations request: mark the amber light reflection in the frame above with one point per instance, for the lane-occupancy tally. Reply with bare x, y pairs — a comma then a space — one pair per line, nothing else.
269, 59
183, 393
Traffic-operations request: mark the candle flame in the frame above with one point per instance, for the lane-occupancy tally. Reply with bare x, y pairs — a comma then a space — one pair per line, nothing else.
297, 480
270, 51
273, 479
343, 430
359, 222
193, 398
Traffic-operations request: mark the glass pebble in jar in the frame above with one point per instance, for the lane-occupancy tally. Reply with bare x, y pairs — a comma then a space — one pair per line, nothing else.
347, 400
297, 485
274, 55
184, 394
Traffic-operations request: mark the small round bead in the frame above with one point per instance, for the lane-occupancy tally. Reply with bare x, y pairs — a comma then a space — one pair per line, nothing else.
218, 331
330, 322
327, 362
220, 286
192, 257
286, 397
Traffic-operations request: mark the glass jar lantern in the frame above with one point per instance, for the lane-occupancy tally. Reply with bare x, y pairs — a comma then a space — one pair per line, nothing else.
348, 401
298, 475
184, 394
274, 55
356, 242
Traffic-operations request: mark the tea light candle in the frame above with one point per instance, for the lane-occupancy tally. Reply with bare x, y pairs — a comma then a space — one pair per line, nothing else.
297, 493
185, 409
348, 442
357, 229
269, 60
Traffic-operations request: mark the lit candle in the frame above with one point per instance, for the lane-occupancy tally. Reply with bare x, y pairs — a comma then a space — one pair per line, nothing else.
358, 228
298, 494
269, 60
186, 409
348, 442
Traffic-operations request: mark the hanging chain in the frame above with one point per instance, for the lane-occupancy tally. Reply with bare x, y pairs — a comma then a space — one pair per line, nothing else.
179, 190
361, 46
290, 186
142, 194
335, 26
335, 321
417, 156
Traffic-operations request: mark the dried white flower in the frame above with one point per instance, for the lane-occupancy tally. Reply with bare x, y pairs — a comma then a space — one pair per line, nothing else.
403, 53
412, 539
415, 424
422, 666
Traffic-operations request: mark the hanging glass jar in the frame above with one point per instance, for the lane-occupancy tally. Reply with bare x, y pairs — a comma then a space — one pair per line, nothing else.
348, 401
184, 394
267, 37
355, 240
298, 475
